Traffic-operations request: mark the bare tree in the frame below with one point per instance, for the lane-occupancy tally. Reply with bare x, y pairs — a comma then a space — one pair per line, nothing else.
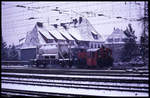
130, 47
4, 50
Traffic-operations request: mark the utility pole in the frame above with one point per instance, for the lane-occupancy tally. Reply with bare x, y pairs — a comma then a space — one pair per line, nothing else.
144, 36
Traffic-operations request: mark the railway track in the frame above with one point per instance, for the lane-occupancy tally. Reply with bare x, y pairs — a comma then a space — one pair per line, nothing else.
74, 82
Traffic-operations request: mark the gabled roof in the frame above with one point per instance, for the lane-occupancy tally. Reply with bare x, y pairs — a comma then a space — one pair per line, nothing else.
117, 33
32, 38
87, 31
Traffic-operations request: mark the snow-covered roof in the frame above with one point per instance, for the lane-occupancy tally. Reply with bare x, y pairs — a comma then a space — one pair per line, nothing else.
117, 33
117, 37
45, 33
75, 33
83, 31
31, 38
22, 40
52, 30
64, 33
88, 31
41, 40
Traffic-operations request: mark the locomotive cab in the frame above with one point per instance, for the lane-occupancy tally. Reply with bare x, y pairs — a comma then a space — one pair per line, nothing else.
91, 59
104, 57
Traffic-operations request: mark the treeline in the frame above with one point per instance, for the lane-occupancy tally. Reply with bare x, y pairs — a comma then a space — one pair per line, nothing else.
8, 52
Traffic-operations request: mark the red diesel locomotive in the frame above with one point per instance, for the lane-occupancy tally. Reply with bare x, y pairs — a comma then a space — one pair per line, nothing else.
100, 57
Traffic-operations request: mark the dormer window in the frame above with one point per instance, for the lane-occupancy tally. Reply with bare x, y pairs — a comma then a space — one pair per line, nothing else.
63, 25
39, 24
95, 36
55, 25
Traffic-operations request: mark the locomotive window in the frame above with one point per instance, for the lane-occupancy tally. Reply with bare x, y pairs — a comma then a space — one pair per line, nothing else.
89, 55
92, 54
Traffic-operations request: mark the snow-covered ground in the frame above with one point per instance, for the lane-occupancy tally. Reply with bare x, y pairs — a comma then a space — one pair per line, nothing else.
55, 86
71, 90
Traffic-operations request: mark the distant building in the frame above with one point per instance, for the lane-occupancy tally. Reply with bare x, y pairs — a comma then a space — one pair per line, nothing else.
116, 41
117, 37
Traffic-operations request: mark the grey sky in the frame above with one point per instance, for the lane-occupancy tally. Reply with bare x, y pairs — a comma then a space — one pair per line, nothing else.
16, 21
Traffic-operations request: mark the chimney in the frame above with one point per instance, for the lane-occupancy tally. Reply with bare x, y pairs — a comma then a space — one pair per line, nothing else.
80, 20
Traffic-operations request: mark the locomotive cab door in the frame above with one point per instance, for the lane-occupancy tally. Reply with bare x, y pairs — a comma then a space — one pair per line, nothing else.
92, 57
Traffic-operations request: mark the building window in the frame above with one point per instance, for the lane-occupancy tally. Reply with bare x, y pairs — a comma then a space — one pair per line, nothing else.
95, 36
39, 24
124, 39
117, 39
95, 45
91, 45
98, 45
110, 40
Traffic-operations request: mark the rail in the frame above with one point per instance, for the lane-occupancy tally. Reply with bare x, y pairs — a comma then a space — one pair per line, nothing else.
73, 82
14, 63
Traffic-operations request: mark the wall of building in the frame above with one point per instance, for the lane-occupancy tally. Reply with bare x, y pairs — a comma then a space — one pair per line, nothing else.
27, 54
95, 44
